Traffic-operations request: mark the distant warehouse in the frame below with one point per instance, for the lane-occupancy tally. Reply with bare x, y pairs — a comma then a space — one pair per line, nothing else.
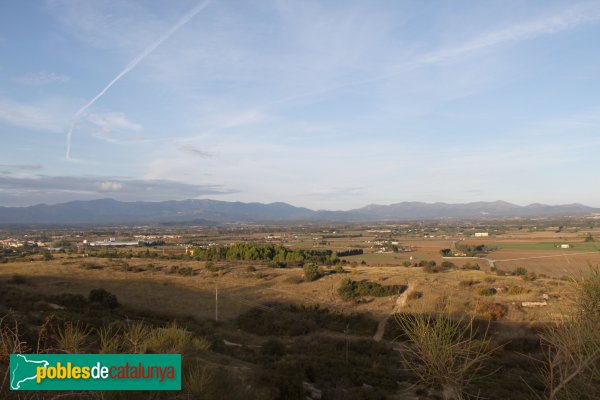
482, 234
111, 243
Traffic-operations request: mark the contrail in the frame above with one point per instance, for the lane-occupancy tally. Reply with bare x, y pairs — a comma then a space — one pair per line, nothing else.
132, 64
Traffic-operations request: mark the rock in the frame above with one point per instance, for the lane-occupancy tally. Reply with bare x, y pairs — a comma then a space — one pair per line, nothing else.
534, 304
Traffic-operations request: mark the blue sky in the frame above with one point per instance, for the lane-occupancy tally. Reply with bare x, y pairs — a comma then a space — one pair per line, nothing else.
325, 104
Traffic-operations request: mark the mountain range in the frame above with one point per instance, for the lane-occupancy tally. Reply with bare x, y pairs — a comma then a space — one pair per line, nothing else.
206, 212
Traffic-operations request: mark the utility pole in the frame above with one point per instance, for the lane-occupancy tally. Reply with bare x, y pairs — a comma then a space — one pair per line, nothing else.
216, 302
346, 331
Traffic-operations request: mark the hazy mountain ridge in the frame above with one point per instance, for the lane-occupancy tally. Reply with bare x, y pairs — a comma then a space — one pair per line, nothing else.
108, 211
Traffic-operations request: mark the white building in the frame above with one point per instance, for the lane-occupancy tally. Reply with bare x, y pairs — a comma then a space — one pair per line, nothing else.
482, 234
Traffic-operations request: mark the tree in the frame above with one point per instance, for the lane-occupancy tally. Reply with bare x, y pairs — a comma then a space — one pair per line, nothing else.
311, 272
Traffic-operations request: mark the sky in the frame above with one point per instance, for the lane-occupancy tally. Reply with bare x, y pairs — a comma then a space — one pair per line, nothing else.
322, 104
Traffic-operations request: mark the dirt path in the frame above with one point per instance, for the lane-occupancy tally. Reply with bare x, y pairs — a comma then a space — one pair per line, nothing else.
400, 303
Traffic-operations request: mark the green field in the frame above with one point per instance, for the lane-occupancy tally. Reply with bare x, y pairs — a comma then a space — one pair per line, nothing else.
580, 246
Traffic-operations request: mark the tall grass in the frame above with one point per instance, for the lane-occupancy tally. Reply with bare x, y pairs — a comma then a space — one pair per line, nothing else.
572, 365
444, 352
72, 338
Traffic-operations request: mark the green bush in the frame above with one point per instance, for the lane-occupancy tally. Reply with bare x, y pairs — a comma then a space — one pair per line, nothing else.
520, 271
103, 297
486, 291
273, 348
312, 272
471, 266
350, 289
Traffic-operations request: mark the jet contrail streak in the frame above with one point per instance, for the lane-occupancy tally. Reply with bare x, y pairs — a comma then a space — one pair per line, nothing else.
132, 64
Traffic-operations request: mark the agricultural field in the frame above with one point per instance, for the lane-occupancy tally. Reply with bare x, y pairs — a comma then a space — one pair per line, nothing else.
267, 305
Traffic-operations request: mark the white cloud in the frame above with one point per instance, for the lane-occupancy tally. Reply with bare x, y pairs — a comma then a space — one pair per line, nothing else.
113, 121
110, 186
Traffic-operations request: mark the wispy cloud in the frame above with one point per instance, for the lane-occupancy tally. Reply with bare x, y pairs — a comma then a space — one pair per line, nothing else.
32, 116
54, 189
22, 166
113, 121
193, 150
132, 64
562, 20
41, 78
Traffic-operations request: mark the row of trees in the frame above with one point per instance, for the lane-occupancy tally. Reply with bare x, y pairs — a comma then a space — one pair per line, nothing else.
353, 252
264, 252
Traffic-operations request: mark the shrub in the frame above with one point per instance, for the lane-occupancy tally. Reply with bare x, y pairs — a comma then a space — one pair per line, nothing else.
91, 265
489, 279
520, 271
312, 272
445, 352
350, 289
186, 271
448, 265
468, 282
103, 297
515, 290
486, 291
135, 336
172, 339
273, 348
277, 264
531, 276
173, 269
572, 354
71, 338
339, 269
424, 263
210, 266
471, 266
406, 264
491, 311
70, 300
250, 268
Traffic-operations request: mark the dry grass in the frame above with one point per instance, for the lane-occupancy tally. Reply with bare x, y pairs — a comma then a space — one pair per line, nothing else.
239, 290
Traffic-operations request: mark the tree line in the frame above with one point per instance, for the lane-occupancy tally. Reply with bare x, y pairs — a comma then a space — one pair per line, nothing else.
264, 252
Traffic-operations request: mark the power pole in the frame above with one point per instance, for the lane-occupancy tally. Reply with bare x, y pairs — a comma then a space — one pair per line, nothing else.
346, 331
216, 302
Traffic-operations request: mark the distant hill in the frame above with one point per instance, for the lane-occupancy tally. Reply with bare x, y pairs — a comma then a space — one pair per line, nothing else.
207, 212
